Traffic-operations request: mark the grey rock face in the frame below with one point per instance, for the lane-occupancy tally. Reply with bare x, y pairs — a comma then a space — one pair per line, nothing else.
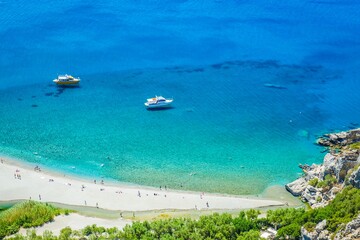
343, 157
320, 233
351, 231
339, 165
341, 138
330, 164
297, 187
354, 178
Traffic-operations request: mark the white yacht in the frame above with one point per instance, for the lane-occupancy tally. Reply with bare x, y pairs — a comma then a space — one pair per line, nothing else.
158, 102
66, 80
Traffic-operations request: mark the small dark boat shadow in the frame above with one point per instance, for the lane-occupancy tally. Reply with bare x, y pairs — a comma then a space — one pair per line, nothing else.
160, 109
67, 86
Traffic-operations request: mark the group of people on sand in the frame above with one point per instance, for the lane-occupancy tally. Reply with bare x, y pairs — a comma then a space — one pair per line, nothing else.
37, 168
17, 174
102, 182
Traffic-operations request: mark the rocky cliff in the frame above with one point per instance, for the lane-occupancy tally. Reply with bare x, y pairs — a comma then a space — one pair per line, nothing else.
320, 183
349, 231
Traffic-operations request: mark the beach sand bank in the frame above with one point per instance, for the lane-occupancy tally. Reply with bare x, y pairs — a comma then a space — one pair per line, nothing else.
76, 222
23, 182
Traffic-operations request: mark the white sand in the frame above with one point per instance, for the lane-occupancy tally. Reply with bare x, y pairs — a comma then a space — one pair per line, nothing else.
77, 222
35, 185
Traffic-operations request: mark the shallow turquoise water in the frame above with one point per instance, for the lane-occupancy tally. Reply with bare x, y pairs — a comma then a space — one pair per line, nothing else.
227, 131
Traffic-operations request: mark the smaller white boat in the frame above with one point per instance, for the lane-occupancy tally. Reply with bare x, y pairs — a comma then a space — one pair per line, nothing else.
158, 102
66, 80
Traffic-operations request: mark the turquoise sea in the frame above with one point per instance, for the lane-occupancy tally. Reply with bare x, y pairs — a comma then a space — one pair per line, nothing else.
254, 84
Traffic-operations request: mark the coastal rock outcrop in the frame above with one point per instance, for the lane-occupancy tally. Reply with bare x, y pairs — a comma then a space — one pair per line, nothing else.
351, 230
320, 183
354, 178
340, 139
297, 187
319, 233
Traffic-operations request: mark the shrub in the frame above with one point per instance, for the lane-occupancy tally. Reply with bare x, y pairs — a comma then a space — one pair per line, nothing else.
250, 235
355, 145
26, 214
328, 182
65, 233
310, 226
292, 231
313, 182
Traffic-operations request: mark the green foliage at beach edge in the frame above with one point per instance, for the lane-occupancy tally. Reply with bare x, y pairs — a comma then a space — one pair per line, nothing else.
26, 214
245, 226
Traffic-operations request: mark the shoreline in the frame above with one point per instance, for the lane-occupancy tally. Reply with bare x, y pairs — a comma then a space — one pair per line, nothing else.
53, 187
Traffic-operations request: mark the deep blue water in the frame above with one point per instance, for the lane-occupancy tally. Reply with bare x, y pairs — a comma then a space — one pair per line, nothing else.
227, 131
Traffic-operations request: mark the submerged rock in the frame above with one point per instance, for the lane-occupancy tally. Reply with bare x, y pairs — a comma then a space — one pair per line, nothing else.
303, 133
270, 85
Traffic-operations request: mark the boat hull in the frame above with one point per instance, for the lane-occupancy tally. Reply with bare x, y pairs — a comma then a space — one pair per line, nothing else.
76, 82
162, 105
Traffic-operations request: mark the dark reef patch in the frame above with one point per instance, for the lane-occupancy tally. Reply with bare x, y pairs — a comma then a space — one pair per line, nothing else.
172, 68
191, 70
194, 70
217, 65
59, 91
34, 105
198, 70
270, 85
266, 64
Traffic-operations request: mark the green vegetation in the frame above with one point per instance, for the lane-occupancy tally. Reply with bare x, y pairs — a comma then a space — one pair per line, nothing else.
313, 182
342, 209
27, 214
355, 145
245, 226
328, 182
348, 174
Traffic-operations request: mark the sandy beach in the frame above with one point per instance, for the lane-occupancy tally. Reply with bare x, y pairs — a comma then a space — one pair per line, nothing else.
77, 222
20, 182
